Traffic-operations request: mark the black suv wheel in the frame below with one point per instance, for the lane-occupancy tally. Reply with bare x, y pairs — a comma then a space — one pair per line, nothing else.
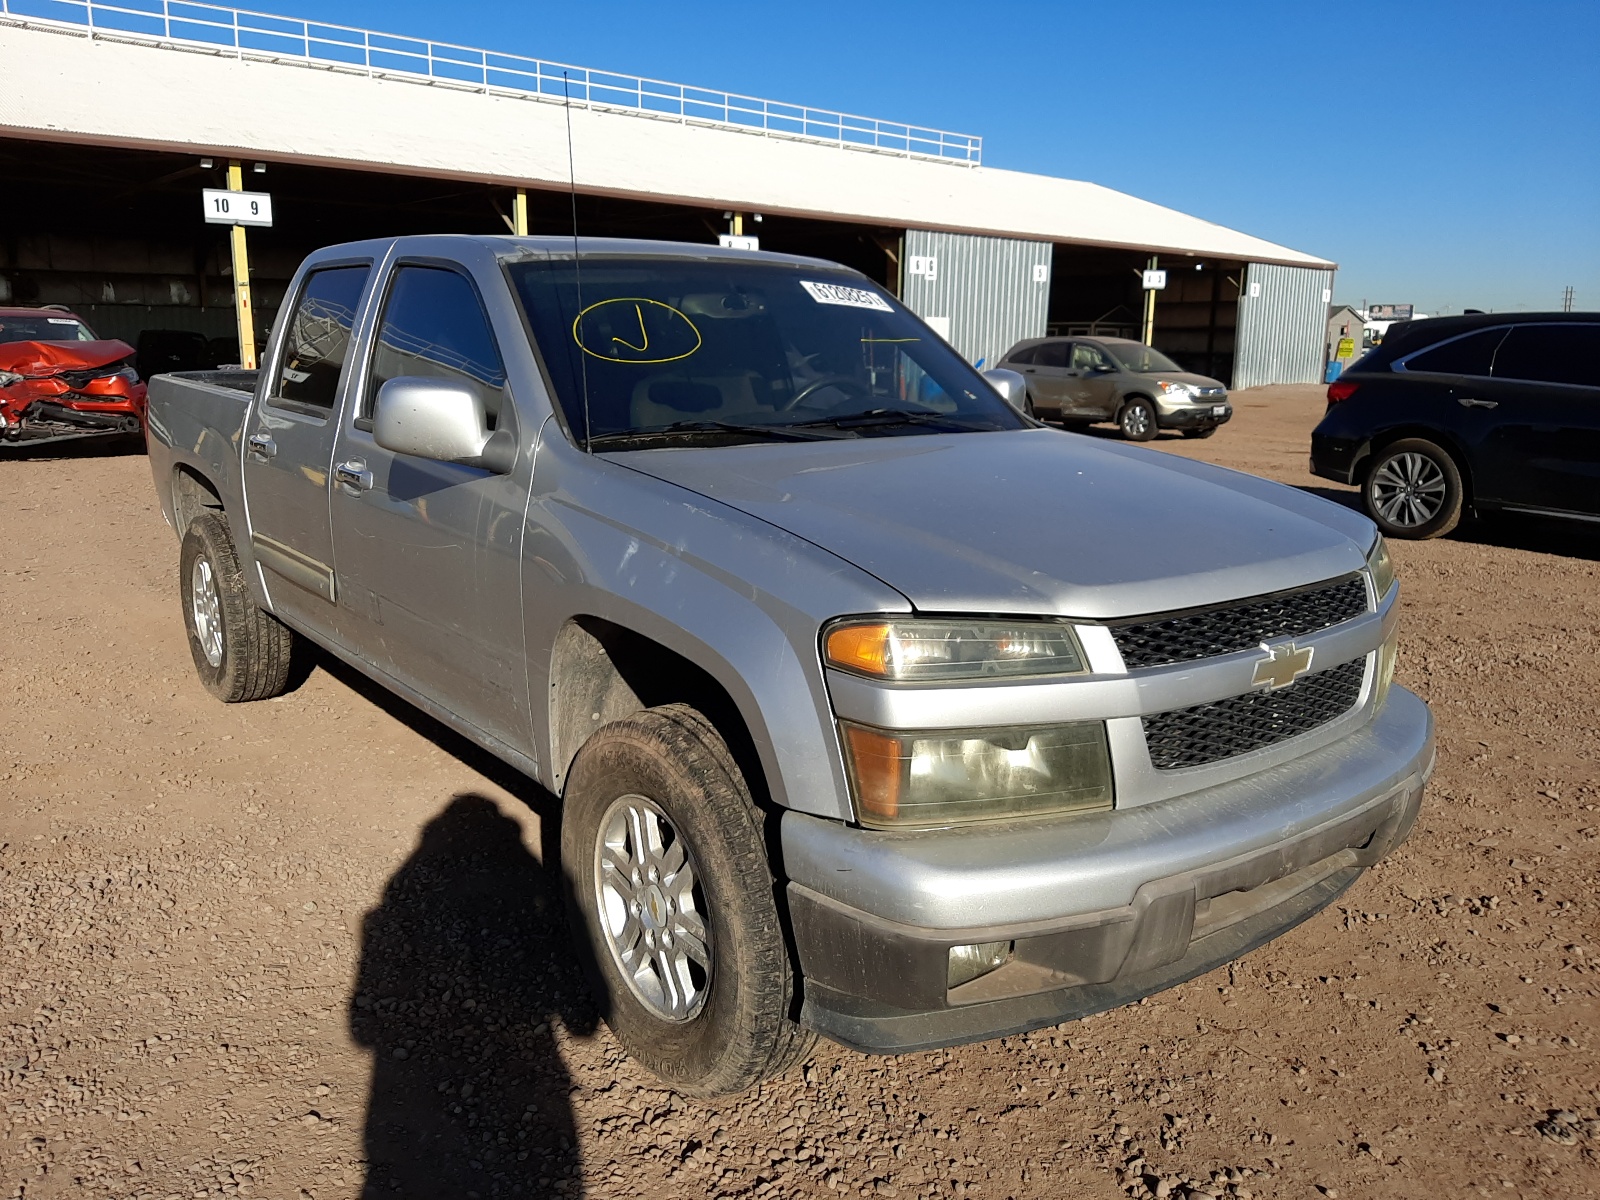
1413, 490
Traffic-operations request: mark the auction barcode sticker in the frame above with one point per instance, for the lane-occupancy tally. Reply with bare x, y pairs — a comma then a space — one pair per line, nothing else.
834, 293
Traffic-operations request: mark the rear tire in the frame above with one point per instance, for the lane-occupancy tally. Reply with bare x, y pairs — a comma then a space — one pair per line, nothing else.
1137, 420
1413, 489
240, 652
675, 902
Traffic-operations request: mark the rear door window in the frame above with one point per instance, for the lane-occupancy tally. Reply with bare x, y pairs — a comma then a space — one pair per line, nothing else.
1025, 355
434, 326
1470, 354
1567, 354
317, 342
1052, 354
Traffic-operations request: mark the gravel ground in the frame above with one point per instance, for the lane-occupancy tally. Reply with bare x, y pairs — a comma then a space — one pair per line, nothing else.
306, 948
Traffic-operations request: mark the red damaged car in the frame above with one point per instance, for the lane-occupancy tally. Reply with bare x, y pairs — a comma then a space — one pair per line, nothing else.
59, 381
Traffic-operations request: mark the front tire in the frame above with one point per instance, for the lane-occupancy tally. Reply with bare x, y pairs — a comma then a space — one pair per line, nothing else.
676, 904
240, 652
1413, 490
1137, 420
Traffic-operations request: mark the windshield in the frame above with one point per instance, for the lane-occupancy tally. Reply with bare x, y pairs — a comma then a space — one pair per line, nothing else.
1131, 356
44, 328
724, 349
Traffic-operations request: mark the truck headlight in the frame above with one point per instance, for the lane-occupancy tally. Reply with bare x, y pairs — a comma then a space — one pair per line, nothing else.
950, 777
1381, 567
942, 650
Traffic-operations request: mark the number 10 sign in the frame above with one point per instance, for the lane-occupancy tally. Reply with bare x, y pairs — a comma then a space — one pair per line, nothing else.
237, 208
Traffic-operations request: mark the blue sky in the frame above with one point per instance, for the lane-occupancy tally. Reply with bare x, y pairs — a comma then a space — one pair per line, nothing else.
1444, 154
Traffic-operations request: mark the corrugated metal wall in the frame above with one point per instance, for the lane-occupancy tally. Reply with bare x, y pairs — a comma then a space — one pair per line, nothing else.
1283, 317
993, 291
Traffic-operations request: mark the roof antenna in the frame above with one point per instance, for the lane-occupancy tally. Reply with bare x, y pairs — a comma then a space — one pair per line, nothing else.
577, 270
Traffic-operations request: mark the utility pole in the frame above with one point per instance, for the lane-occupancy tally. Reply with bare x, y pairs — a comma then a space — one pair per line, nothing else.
1566, 299
241, 280
1150, 308
519, 213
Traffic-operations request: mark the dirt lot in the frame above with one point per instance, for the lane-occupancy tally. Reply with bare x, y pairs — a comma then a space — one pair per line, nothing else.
306, 948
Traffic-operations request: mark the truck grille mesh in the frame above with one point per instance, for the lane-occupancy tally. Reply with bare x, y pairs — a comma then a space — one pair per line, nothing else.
1207, 733
1208, 632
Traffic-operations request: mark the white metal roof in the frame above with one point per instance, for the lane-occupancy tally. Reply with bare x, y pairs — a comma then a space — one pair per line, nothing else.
108, 89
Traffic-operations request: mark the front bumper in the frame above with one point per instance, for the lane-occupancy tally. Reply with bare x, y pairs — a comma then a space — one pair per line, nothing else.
1193, 416
1117, 905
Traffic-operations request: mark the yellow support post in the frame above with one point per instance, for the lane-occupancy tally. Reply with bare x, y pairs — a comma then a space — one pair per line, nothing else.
1150, 309
519, 213
738, 224
241, 280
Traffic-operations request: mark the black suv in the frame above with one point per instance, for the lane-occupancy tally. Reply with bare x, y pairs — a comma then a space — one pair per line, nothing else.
1490, 411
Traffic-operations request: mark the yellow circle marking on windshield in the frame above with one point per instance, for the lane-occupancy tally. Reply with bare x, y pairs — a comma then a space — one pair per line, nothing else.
644, 335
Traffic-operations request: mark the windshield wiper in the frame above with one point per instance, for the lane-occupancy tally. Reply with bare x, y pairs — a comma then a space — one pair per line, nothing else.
782, 433
873, 417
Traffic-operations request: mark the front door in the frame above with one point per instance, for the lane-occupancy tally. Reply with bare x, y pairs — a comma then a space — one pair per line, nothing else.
428, 552
289, 447
1543, 450
1094, 386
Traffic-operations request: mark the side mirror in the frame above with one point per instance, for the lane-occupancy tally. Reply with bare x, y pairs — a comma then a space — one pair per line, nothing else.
434, 418
1013, 388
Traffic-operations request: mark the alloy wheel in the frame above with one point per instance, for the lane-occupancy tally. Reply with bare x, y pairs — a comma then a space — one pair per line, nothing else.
1409, 489
652, 908
1135, 420
207, 607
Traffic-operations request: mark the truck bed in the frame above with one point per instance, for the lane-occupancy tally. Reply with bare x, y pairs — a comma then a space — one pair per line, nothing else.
196, 419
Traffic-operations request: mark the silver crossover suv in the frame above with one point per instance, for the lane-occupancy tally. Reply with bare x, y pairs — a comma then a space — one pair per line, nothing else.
1081, 380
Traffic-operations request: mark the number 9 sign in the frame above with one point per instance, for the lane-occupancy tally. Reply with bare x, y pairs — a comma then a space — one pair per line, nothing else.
237, 208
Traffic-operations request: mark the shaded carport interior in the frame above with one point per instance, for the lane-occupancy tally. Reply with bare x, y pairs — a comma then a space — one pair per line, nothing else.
1099, 290
117, 234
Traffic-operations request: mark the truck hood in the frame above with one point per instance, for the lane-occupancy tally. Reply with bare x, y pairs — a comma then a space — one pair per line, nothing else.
36, 359
1030, 521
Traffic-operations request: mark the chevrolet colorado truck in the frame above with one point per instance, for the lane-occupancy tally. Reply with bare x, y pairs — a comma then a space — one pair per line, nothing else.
722, 548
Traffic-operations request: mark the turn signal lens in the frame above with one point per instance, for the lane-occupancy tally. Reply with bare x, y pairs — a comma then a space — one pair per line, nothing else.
951, 777
1388, 657
1381, 566
930, 650
1341, 389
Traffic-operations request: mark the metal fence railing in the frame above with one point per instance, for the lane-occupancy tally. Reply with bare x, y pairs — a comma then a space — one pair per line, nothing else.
186, 25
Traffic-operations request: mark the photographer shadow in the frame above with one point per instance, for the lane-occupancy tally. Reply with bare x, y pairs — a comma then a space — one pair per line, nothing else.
466, 988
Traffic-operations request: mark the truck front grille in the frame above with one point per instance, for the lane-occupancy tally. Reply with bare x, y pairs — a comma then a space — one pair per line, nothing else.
1208, 733
1242, 625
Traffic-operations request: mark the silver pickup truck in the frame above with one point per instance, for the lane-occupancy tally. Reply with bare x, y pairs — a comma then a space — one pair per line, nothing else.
876, 709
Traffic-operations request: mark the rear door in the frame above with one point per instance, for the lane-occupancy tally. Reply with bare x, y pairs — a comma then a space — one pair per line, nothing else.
288, 449
1445, 387
1047, 376
429, 552
1544, 451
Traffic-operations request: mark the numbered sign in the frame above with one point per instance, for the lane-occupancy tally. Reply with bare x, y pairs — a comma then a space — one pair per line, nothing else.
1154, 281
237, 208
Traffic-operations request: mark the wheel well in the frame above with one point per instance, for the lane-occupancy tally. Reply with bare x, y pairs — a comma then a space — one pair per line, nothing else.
1132, 396
601, 672
1363, 463
192, 494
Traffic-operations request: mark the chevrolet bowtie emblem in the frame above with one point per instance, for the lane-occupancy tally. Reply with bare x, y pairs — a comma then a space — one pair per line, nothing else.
1282, 666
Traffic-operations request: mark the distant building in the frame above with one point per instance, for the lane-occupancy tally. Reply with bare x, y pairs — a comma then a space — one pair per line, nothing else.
1344, 340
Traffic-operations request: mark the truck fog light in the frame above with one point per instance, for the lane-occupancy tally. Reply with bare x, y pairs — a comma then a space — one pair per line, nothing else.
1388, 656
973, 962
949, 777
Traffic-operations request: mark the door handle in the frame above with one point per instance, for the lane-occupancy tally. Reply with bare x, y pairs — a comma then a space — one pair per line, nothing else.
1029, 370
1470, 402
262, 445
353, 475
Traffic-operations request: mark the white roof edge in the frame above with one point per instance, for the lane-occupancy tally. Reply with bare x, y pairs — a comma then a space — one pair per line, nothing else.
202, 103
